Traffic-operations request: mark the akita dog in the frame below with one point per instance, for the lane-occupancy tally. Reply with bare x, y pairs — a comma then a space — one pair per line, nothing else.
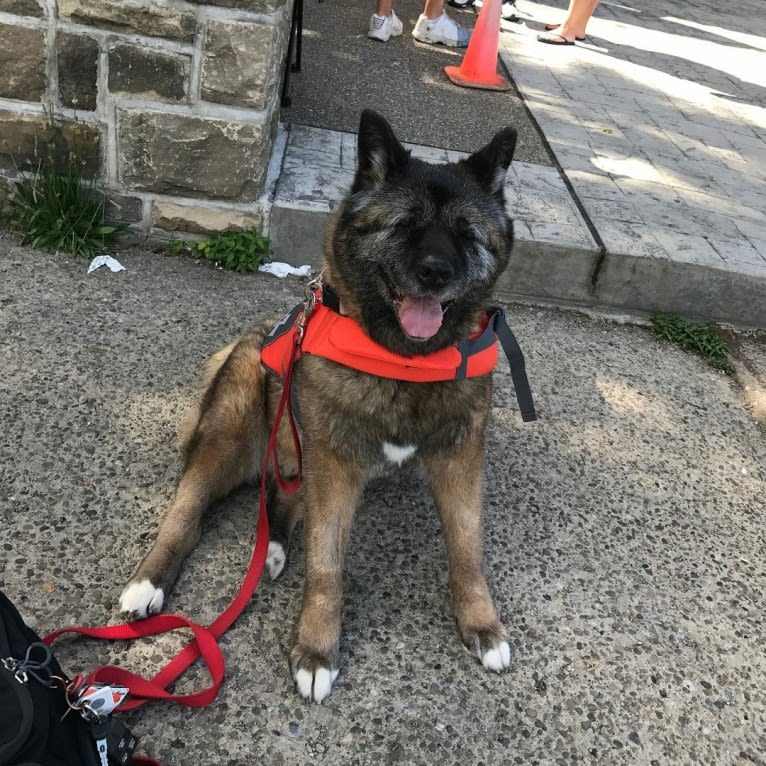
411, 258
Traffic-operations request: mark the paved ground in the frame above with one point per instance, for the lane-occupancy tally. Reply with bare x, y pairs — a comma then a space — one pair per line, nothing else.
624, 539
624, 535
657, 125
401, 79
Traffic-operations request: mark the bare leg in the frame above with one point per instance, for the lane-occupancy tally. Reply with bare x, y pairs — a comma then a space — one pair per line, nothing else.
433, 9
574, 25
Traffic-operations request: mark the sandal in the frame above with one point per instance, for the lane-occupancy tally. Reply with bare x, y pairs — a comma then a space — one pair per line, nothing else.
551, 27
554, 39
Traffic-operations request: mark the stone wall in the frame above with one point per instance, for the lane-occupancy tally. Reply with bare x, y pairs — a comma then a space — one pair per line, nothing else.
176, 101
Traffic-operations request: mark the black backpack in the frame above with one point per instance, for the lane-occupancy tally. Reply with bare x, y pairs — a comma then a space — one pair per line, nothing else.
33, 728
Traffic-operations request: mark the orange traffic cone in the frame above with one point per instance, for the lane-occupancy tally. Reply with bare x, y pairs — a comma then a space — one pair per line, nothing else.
479, 67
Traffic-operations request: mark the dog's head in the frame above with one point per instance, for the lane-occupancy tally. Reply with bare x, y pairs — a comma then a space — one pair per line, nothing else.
416, 248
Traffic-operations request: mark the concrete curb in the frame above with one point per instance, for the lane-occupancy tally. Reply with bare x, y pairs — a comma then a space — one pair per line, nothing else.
557, 256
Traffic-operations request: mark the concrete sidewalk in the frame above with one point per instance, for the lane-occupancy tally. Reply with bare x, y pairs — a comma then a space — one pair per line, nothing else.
656, 199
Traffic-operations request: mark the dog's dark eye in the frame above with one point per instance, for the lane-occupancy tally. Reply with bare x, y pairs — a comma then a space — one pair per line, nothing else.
465, 232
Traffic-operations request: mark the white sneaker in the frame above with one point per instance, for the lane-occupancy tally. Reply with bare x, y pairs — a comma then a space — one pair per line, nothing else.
441, 30
383, 27
507, 9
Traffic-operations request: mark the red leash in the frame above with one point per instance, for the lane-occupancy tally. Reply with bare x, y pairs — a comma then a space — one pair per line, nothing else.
205, 643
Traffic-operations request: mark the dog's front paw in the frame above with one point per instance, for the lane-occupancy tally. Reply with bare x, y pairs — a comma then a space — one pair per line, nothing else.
314, 673
141, 599
490, 646
275, 559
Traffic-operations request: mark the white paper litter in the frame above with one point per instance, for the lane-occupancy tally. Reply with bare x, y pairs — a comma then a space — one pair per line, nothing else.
105, 260
279, 269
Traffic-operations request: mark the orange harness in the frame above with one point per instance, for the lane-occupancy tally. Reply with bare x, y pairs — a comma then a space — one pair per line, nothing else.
324, 332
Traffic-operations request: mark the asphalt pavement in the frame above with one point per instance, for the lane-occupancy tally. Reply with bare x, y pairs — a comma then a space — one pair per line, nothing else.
624, 541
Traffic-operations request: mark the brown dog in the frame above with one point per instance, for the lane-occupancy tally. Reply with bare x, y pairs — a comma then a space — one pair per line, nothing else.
413, 255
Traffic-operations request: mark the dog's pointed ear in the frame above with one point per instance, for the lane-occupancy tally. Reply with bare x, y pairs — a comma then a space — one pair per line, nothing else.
489, 165
380, 154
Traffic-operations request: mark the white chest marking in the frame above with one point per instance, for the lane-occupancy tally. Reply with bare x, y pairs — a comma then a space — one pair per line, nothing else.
396, 454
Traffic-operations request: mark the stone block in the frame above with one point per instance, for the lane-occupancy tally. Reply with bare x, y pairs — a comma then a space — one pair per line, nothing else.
138, 18
241, 61
148, 73
22, 63
26, 138
21, 135
192, 156
78, 70
6, 190
122, 209
80, 141
22, 7
255, 6
194, 219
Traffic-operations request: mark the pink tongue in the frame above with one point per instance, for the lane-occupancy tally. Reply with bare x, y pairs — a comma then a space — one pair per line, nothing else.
420, 317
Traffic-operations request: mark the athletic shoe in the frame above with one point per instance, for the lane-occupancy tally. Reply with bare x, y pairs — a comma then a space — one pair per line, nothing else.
459, 4
507, 9
441, 30
383, 27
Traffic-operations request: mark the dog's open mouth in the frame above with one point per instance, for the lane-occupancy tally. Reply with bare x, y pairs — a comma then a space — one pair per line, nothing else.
420, 317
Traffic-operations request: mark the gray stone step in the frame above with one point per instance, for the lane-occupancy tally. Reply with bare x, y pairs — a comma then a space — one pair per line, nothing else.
568, 249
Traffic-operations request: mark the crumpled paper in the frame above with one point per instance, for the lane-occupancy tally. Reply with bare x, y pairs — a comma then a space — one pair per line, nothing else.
281, 270
105, 260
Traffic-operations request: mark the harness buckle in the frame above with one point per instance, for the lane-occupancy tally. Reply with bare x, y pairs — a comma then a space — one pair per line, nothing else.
311, 291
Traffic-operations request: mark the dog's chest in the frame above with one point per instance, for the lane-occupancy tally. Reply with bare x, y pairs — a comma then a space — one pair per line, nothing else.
393, 453
373, 420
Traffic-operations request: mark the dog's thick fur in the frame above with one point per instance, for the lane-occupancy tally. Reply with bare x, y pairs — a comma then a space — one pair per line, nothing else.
413, 254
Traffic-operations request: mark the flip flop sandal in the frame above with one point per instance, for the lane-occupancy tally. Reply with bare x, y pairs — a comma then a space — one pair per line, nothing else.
554, 40
551, 27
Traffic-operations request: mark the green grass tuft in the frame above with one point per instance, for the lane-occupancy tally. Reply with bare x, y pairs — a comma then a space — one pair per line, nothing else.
697, 338
242, 251
59, 211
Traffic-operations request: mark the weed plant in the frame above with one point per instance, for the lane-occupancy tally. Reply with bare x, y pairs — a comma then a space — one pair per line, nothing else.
59, 211
241, 251
698, 338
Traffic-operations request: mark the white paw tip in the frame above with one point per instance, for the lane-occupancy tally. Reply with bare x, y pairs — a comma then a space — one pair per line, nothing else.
140, 599
315, 686
275, 559
498, 658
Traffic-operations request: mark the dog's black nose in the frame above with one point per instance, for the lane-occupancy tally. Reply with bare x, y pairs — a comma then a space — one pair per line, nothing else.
434, 272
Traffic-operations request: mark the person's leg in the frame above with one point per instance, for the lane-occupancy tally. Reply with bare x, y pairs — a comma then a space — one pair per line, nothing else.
574, 25
383, 7
578, 17
433, 9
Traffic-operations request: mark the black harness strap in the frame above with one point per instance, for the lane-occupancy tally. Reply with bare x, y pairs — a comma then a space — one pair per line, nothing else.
518, 368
